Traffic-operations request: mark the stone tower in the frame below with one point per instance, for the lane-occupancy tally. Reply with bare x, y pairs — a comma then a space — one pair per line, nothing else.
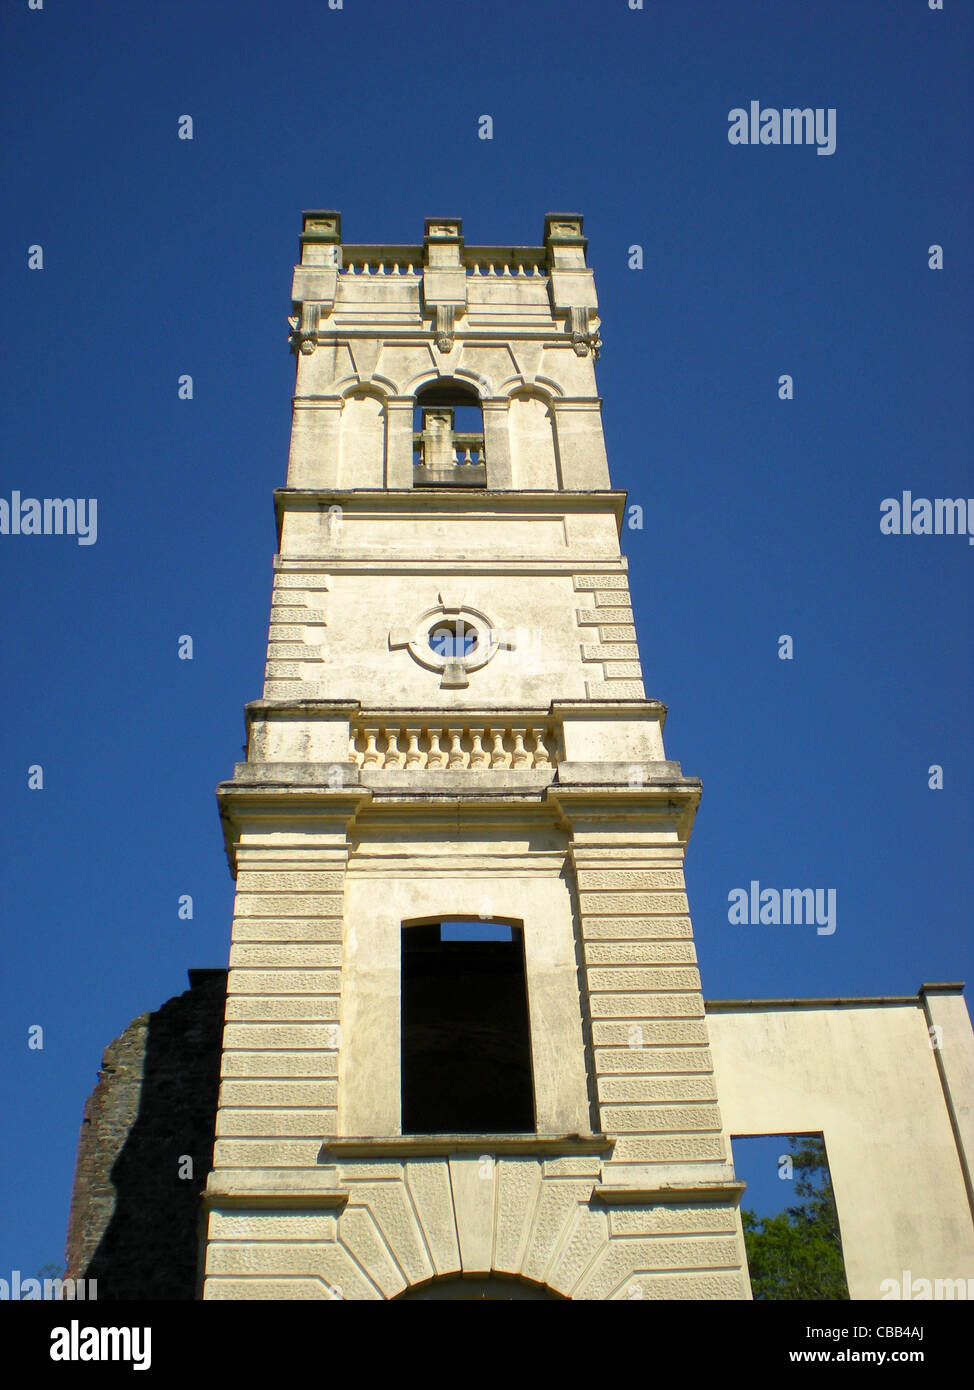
465, 1052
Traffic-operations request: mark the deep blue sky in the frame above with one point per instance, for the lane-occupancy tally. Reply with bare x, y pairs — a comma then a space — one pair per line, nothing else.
163, 257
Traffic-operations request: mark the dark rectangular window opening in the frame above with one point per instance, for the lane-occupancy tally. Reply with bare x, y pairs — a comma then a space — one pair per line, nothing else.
466, 1042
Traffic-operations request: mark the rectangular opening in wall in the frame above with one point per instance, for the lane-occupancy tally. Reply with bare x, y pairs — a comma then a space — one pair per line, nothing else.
466, 1042
791, 1223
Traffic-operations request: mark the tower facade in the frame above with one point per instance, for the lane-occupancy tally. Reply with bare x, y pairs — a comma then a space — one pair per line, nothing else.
465, 1051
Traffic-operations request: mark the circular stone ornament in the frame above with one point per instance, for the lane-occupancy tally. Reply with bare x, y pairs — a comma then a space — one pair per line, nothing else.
451, 657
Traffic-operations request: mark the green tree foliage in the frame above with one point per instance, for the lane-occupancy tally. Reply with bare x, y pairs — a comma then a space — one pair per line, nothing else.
798, 1255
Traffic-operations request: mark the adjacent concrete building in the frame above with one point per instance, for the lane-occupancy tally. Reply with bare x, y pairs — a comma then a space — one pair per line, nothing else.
465, 1047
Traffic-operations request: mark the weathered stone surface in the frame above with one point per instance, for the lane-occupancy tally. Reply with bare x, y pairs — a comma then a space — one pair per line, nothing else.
133, 1218
651, 1058
648, 1119
638, 927
632, 904
432, 1194
281, 881
518, 1184
629, 880
615, 1089
669, 1148
273, 1225
362, 1238
254, 1008
288, 905
287, 956
266, 1153
284, 981
648, 1033
271, 1064
279, 1093
640, 953
287, 929
672, 1220
626, 977
319, 1036
649, 1005
257, 1123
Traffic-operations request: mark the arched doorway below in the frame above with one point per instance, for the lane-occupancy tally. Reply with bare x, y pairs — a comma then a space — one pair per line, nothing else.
488, 1288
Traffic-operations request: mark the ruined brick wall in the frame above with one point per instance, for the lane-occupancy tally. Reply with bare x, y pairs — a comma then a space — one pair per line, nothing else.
146, 1147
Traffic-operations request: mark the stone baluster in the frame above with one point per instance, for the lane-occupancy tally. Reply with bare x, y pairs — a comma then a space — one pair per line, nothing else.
436, 757
455, 760
478, 754
498, 757
542, 757
414, 757
393, 757
521, 757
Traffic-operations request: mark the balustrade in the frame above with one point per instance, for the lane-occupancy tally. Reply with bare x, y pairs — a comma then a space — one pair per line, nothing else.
476, 747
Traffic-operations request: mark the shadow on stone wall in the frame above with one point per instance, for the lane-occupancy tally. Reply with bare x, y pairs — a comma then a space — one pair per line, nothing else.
146, 1147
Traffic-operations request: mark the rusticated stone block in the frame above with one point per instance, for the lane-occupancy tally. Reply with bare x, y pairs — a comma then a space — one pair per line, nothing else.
319, 1036
329, 1262
640, 953
362, 1239
256, 1008
601, 581
274, 1064
517, 1192
669, 1148
395, 1217
288, 905
255, 1124
631, 977
649, 1119
250, 1226
428, 1181
613, 1089
278, 881
287, 929
667, 1220
649, 1033
655, 1005
284, 982
629, 880
617, 1060
266, 1153
586, 1236
284, 955
266, 1290
279, 1093
635, 928
633, 904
